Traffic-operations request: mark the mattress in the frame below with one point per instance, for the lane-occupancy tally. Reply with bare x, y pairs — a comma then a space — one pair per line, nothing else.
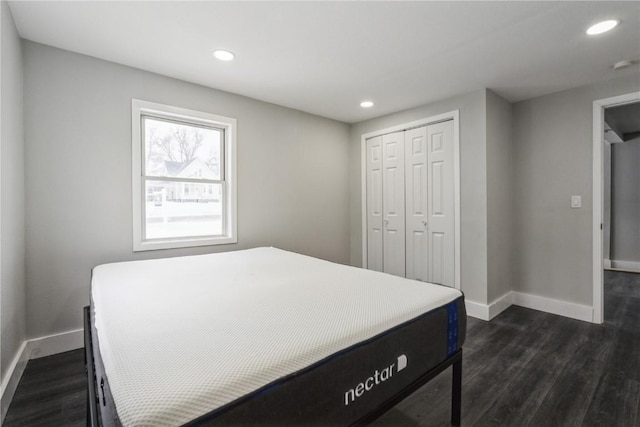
261, 335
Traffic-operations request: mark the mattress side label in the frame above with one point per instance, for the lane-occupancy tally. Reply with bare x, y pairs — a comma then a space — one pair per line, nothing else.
376, 378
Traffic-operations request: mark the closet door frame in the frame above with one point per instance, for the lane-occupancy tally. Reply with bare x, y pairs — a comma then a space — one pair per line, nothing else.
451, 115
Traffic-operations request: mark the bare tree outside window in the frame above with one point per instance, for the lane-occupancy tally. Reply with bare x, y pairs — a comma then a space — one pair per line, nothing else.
180, 144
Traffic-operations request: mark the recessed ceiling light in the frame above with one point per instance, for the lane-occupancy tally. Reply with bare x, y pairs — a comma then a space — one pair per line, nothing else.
223, 55
366, 104
602, 27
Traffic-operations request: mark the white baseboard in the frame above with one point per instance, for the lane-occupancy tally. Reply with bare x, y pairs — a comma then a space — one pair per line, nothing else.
554, 306
477, 310
488, 312
625, 265
548, 305
500, 304
11, 380
54, 344
34, 349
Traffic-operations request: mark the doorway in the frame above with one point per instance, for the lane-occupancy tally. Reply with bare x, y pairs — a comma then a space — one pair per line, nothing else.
621, 239
603, 215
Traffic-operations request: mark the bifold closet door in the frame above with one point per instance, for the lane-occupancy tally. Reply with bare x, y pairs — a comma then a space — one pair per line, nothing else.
385, 204
440, 204
393, 217
430, 203
374, 204
416, 203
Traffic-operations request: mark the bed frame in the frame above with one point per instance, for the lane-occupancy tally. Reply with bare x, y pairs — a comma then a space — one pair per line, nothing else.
455, 360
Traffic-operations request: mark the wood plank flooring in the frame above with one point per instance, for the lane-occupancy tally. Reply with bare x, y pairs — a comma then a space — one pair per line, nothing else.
52, 392
524, 368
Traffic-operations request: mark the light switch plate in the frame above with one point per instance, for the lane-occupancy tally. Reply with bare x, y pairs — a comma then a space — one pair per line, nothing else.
576, 202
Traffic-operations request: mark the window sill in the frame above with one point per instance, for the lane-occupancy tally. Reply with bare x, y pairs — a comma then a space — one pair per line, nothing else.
183, 243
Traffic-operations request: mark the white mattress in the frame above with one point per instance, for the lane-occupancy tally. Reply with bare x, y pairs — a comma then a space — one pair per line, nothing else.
180, 337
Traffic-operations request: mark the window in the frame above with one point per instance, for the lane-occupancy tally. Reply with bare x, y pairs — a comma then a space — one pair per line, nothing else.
184, 191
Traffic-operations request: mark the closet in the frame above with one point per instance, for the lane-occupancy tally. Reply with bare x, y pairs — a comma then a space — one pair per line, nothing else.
410, 203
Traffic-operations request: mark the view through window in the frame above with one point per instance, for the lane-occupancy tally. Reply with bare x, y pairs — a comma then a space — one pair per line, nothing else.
184, 179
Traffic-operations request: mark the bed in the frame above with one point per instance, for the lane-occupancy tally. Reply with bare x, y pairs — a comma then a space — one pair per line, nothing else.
262, 337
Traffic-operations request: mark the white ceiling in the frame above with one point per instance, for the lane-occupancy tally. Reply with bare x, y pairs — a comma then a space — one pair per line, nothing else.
325, 57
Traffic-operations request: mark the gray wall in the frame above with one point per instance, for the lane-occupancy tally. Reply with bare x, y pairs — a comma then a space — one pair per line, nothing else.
553, 160
499, 197
292, 170
12, 227
625, 201
473, 183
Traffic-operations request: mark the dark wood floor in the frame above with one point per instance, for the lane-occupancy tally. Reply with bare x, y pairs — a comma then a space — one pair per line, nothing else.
524, 368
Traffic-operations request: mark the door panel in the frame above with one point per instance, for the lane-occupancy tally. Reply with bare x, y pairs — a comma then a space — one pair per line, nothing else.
374, 203
437, 257
441, 204
417, 256
416, 203
391, 201
393, 207
437, 190
376, 180
418, 179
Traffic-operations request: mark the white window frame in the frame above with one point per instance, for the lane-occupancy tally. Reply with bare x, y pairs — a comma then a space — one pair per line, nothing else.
140, 108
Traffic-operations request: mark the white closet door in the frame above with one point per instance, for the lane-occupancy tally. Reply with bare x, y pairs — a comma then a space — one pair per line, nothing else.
393, 245
416, 203
440, 203
374, 204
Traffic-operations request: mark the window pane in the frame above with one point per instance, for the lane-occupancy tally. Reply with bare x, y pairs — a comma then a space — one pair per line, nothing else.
180, 150
182, 209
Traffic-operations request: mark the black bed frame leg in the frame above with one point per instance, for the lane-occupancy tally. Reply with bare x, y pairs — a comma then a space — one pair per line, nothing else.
456, 392
92, 407
88, 408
